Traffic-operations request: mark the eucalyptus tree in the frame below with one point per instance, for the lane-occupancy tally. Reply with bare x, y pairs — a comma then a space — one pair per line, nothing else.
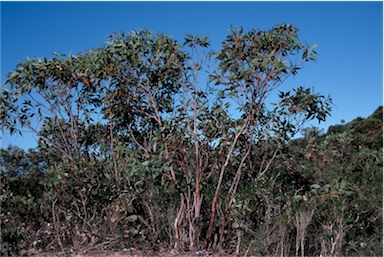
250, 66
144, 92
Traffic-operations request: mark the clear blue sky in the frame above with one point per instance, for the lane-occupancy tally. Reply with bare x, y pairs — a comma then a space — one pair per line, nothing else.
349, 37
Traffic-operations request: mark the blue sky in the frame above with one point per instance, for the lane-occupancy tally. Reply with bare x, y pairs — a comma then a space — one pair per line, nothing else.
349, 36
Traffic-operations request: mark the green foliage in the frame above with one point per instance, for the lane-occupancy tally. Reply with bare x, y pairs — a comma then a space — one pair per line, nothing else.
134, 151
22, 190
342, 169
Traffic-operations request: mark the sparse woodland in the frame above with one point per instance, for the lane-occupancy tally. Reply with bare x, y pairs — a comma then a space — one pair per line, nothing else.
150, 143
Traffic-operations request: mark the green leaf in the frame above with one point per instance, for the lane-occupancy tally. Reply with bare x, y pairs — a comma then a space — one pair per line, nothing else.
342, 184
315, 186
297, 197
130, 208
132, 218
312, 47
235, 225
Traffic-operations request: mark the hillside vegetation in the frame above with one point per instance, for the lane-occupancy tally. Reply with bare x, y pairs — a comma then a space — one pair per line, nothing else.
134, 153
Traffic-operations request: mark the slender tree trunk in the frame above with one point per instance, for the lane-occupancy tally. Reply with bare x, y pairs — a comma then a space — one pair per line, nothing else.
214, 201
